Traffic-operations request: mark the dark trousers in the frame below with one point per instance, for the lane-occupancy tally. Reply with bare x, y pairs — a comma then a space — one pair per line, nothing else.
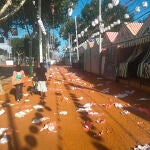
19, 91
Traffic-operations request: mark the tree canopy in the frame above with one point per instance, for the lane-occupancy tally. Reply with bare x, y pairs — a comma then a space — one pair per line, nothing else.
24, 13
91, 12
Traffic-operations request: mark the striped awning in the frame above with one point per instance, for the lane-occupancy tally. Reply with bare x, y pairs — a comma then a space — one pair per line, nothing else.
135, 41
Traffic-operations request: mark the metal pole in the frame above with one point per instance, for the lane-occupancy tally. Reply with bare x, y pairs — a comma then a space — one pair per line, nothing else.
100, 39
77, 38
40, 34
30, 58
70, 61
100, 19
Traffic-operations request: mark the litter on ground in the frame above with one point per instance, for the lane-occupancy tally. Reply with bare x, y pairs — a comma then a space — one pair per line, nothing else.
142, 147
121, 95
118, 105
21, 114
37, 107
3, 130
2, 111
63, 113
143, 99
3, 139
125, 112
50, 127
36, 121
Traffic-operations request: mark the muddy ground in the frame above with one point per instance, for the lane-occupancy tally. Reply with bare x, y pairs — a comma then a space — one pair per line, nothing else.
82, 112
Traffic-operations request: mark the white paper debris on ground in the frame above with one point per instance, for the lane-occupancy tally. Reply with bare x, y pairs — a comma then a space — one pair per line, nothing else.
125, 112
57, 82
50, 127
142, 147
36, 121
25, 94
79, 98
129, 92
2, 111
21, 114
143, 99
123, 95
3, 139
105, 90
37, 107
3, 130
89, 105
118, 105
63, 113
87, 109
93, 113
26, 100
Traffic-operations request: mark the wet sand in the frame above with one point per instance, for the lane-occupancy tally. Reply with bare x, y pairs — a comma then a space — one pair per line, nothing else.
84, 112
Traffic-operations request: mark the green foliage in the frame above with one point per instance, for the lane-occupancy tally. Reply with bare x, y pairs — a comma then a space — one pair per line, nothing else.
53, 14
17, 45
90, 12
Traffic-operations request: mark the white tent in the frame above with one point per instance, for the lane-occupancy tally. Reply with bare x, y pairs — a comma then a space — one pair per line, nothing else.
7, 47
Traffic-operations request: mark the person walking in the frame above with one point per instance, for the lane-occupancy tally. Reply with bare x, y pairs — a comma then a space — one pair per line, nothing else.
18, 79
41, 76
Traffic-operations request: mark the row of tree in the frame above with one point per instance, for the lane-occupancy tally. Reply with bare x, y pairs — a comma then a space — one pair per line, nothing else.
23, 14
89, 13
54, 14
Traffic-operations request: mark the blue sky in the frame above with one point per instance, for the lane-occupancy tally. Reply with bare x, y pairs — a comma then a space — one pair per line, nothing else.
77, 10
131, 4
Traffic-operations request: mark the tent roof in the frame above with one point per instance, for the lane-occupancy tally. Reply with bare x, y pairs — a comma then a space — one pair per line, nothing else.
111, 36
134, 27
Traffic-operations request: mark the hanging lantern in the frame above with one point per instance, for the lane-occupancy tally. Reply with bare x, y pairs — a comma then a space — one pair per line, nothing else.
106, 28
115, 2
82, 33
86, 29
75, 40
96, 21
144, 4
112, 25
79, 35
70, 10
137, 9
110, 5
126, 16
33, 3
93, 23
109, 27
118, 21
115, 22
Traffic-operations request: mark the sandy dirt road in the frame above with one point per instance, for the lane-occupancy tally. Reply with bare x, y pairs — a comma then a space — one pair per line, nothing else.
82, 112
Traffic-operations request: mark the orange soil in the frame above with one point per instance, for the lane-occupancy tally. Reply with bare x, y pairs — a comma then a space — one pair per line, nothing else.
107, 130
